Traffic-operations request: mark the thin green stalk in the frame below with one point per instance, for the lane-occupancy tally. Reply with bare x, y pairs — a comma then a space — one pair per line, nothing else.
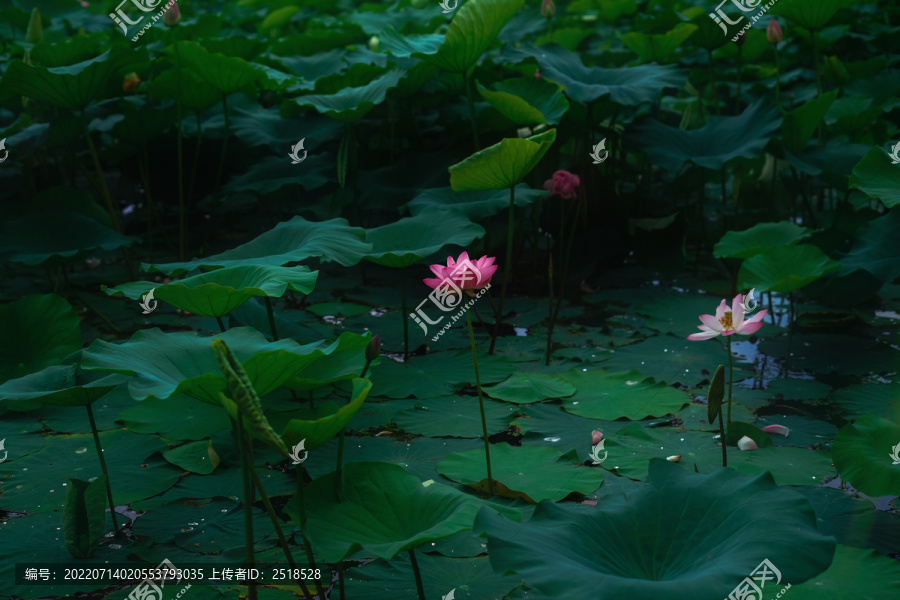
487, 444
722, 432
565, 277
302, 510
737, 99
179, 158
712, 82
777, 78
787, 357
415, 566
221, 324
472, 118
246, 466
506, 267
405, 319
730, 381
190, 193
224, 142
271, 318
112, 505
549, 309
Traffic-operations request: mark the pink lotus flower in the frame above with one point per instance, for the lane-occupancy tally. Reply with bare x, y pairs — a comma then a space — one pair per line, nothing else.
537, 72
473, 277
773, 32
548, 9
563, 184
172, 16
596, 436
727, 322
745, 443
779, 429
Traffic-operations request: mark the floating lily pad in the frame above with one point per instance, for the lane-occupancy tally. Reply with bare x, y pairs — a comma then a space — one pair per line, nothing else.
804, 431
454, 417
196, 420
437, 374
858, 400
853, 570
196, 457
36, 332
523, 388
610, 396
863, 454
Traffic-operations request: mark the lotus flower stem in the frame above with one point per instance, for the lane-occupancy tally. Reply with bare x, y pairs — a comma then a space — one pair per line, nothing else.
487, 444
271, 318
508, 266
787, 356
221, 324
302, 510
730, 381
405, 318
472, 117
549, 309
224, 142
777, 78
712, 83
737, 98
722, 434
562, 283
415, 566
112, 505
179, 158
190, 193
246, 466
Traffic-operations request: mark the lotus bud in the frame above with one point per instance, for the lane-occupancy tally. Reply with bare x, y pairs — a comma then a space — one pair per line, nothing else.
373, 350
548, 9
773, 32
779, 429
596, 436
172, 15
745, 443
537, 73
34, 33
675, 458
131, 81
374, 43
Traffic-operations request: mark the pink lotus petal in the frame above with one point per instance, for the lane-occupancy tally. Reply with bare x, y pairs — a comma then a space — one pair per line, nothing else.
757, 317
779, 429
748, 328
721, 310
737, 312
596, 436
745, 443
711, 322
703, 335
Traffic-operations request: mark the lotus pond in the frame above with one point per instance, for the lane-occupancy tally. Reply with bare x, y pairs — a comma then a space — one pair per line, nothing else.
471, 299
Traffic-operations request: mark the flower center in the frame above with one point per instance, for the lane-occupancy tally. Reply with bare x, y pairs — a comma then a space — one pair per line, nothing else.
727, 323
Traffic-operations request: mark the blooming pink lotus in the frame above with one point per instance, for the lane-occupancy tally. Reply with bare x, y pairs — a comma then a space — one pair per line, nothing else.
563, 184
484, 268
727, 322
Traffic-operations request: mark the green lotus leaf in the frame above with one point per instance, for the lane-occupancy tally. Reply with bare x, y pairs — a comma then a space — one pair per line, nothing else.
404, 46
217, 293
437, 374
72, 87
196, 419
328, 420
454, 417
527, 100
271, 174
878, 177
165, 363
875, 248
658, 48
384, 510
785, 269
631, 86
710, 146
852, 519
346, 102
374, 22
523, 388
759, 238
278, 17
61, 385
798, 125
502, 165
183, 85
405, 242
858, 400
735, 430
864, 454
289, 241
84, 516
50, 238
810, 14
255, 125
851, 114
36, 332
227, 74
852, 570
610, 396
475, 205
533, 473
646, 549
345, 360
804, 431
196, 457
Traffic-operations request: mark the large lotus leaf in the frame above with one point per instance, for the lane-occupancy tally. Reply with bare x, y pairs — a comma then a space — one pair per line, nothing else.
523, 388
405, 242
36, 332
710, 146
858, 400
256, 125
863, 454
383, 510
196, 420
533, 473
373, 22
217, 293
759, 238
72, 87
328, 421
350, 103
853, 520
810, 14
194, 93
785, 269
631, 86
62, 385
878, 177
165, 363
59, 236
852, 571
502, 165
289, 241
228, 74
475, 205
658, 48
437, 374
610, 396
454, 417
875, 247
404, 46
647, 549
798, 125
527, 100
273, 173
345, 360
